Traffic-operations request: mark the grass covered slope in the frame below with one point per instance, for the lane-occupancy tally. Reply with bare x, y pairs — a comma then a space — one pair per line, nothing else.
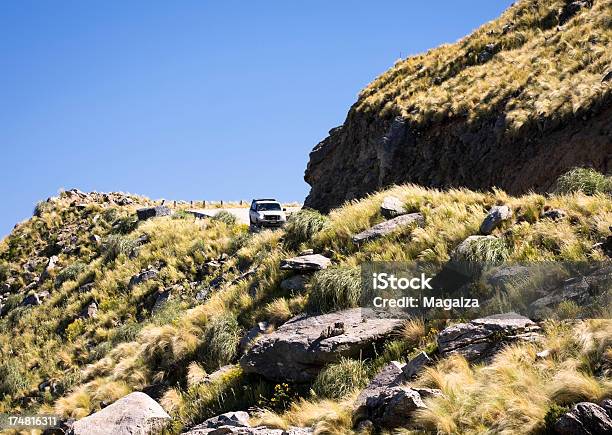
518, 102
55, 358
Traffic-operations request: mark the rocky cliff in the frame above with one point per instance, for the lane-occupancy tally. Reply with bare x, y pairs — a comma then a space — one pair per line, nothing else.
513, 105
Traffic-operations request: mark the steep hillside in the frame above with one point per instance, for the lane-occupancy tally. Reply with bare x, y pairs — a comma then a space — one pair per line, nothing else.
97, 304
513, 105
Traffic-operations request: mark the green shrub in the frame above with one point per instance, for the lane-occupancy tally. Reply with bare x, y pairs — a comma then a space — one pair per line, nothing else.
182, 214
552, 415
302, 226
220, 341
340, 379
226, 217
11, 379
585, 180
115, 245
334, 289
70, 273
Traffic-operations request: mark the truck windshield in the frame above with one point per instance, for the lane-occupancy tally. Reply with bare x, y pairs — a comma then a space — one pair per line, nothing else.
268, 206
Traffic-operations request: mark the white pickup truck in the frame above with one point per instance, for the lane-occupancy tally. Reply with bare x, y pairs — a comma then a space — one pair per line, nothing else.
267, 212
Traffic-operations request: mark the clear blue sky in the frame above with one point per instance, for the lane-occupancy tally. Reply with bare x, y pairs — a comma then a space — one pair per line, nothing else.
192, 99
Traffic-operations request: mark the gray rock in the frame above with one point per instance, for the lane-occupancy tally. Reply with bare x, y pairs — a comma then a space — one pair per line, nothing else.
416, 364
307, 252
392, 207
395, 407
295, 283
554, 214
480, 339
390, 376
494, 218
134, 414
152, 212
584, 418
583, 290
237, 418
90, 311
142, 277
241, 430
219, 373
607, 406
31, 300
387, 227
255, 332
505, 276
301, 347
306, 263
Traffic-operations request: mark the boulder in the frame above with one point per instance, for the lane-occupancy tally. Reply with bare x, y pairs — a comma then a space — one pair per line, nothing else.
392, 207
142, 277
607, 406
554, 214
583, 290
390, 376
295, 283
387, 227
494, 218
306, 263
31, 300
506, 276
134, 414
416, 364
90, 311
394, 407
301, 347
585, 418
237, 418
480, 339
152, 212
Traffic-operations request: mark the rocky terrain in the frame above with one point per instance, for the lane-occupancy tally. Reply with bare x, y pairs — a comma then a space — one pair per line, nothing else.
122, 315
515, 104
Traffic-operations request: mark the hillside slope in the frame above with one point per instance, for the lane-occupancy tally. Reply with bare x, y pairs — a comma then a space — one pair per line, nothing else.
515, 104
165, 305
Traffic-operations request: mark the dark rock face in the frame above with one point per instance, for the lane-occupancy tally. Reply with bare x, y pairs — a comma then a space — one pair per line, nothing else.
584, 418
142, 277
135, 414
301, 347
151, 212
372, 151
480, 339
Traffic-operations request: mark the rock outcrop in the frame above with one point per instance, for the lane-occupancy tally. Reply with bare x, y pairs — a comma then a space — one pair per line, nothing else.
134, 414
413, 124
585, 418
301, 347
480, 339
151, 212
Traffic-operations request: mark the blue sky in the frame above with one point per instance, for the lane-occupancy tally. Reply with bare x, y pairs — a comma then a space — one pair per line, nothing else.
192, 99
